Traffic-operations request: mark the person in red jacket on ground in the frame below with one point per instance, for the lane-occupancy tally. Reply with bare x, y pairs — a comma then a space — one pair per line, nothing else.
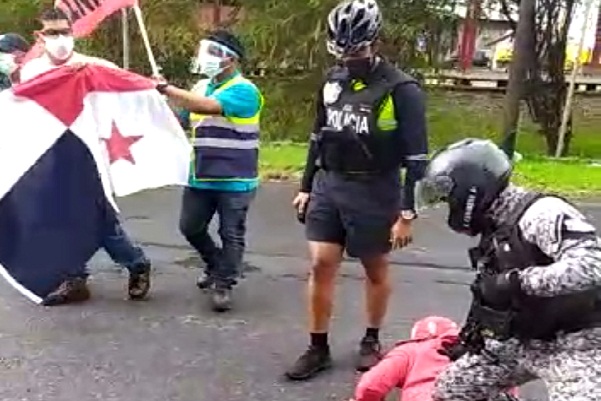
413, 364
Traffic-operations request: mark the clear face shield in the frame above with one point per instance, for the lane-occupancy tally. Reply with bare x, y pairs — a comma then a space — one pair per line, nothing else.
8, 63
211, 58
431, 192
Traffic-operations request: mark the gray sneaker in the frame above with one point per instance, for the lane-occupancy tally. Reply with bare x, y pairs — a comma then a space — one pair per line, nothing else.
370, 353
221, 299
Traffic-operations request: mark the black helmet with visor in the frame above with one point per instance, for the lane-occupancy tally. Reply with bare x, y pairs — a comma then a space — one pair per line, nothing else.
467, 175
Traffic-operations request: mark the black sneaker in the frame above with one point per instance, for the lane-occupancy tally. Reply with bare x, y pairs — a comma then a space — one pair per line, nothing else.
309, 364
221, 299
204, 281
370, 353
139, 284
70, 291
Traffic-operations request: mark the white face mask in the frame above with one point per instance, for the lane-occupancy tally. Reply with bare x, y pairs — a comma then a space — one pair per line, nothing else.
210, 66
208, 62
60, 47
7, 63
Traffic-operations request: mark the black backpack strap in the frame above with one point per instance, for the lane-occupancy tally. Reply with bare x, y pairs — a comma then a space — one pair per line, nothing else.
484, 251
507, 229
391, 77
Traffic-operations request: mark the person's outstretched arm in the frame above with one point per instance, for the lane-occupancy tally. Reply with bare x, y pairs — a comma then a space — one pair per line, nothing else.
380, 380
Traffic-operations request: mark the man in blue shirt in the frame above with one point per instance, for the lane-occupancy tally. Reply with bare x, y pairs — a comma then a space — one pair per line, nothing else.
223, 113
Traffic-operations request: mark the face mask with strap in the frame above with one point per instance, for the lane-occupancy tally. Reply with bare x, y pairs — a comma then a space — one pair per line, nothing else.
212, 58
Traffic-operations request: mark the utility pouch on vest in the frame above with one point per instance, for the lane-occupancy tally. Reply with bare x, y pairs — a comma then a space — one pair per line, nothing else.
492, 323
485, 321
335, 146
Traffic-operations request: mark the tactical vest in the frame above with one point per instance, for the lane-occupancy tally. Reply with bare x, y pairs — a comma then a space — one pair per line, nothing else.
354, 139
225, 148
535, 317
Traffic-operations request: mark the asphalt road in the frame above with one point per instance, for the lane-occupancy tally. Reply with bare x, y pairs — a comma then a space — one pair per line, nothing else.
173, 348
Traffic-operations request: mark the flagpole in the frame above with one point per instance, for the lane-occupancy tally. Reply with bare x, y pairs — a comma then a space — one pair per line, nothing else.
567, 109
125, 34
144, 33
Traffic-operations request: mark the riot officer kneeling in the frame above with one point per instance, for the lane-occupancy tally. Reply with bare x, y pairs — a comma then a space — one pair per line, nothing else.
535, 311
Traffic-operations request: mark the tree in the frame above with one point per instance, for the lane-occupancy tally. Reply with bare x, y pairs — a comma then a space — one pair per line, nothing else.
21, 16
173, 31
546, 86
293, 32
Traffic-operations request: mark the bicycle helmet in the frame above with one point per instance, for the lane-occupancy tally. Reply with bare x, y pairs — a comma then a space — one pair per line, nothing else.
352, 25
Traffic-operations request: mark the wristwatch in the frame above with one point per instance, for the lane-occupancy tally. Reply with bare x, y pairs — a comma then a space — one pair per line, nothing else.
161, 87
408, 215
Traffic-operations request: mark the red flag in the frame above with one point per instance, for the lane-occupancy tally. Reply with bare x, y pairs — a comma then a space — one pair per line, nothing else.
88, 14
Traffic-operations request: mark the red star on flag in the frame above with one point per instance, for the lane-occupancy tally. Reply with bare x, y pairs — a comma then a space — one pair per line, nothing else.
119, 146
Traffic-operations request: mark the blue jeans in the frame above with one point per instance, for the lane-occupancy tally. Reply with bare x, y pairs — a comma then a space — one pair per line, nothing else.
122, 250
199, 206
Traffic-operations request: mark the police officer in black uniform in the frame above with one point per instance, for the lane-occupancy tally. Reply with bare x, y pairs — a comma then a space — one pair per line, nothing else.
370, 122
536, 308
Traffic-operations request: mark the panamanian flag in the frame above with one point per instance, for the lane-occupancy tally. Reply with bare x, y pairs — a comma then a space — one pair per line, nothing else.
70, 139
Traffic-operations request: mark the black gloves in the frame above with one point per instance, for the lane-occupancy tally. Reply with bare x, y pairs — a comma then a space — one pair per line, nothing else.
497, 291
453, 350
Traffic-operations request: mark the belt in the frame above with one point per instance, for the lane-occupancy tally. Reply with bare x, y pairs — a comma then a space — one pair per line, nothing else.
357, 174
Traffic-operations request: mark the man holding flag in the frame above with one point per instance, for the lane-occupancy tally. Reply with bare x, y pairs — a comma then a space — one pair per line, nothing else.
57, 37
105, 132
58, 42
225, 109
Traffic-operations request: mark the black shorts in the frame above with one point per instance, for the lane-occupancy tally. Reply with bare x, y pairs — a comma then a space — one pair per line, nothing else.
357, 213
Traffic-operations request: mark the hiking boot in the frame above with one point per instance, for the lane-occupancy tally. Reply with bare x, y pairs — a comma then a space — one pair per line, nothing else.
310, 363
139, 284
221, 299
70, 291
204, 281
370, 353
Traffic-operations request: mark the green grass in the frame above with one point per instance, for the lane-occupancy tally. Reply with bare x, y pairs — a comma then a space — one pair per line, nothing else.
451, 116
289, 115
456, 115
572, 178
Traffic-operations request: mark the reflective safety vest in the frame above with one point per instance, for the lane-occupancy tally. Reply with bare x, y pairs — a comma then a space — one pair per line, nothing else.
225, 148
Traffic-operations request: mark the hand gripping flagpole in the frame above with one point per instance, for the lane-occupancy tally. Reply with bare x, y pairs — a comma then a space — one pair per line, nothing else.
153, 64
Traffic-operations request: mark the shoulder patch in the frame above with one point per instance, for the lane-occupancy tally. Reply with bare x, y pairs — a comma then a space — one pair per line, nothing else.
578, 225
331, 92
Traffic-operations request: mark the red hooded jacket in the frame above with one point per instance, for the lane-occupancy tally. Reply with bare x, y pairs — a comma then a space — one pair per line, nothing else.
413, 365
